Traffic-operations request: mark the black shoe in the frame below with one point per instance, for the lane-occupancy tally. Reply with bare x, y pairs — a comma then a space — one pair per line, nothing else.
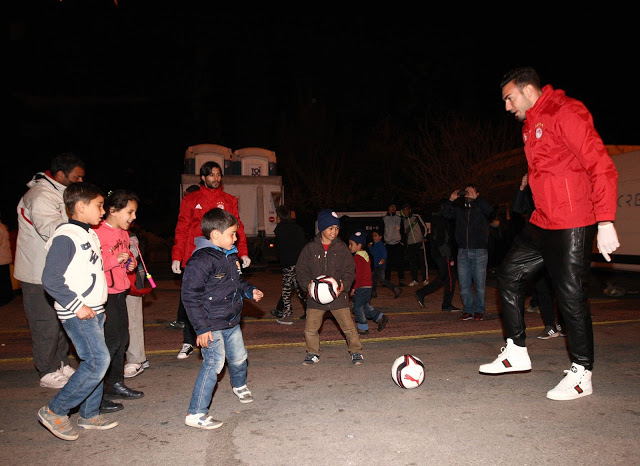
120, 390
303, 316
276, 313
363, 332
420, 299
397, 291
382, 323
107, 406
176, 325
450, 309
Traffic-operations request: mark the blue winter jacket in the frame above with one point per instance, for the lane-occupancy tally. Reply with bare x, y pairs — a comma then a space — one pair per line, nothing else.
213, 288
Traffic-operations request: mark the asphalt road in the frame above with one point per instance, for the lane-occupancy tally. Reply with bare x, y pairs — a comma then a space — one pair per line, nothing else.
336, 413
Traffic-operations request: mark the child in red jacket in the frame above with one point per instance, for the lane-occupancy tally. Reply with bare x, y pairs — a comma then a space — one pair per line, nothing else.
361, 291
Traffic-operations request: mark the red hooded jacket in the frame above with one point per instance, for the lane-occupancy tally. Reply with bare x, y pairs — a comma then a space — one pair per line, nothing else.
192, 208
572, 177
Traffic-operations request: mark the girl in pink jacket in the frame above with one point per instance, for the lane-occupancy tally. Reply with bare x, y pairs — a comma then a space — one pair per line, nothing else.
120, 207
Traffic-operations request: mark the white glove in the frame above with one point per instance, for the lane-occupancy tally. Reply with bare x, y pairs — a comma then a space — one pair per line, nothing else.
175, 266
246, 262
607, 240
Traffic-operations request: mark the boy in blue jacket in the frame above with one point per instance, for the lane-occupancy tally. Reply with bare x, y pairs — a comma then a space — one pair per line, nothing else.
212, 292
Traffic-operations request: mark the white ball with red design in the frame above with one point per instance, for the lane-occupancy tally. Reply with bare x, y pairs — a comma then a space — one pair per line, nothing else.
324, 289
408, 371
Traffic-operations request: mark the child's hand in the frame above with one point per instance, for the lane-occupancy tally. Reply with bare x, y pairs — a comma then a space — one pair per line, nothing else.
341, 289
257, 295
132, 264
382, 261
123, 257
85, 313
203, 340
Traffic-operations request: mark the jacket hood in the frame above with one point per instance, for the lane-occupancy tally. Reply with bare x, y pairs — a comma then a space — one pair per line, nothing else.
201, 242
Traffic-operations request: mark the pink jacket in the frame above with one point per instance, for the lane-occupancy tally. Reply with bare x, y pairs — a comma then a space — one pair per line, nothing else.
113, 241
572, 177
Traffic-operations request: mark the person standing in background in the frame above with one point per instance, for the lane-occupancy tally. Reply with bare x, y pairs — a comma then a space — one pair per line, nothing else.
393, 242
472, 217
6, 259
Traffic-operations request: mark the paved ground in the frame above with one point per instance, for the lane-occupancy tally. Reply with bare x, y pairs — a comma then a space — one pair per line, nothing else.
337, 413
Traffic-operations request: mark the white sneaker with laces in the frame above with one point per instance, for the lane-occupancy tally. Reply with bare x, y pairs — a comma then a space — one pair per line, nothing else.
576, 384
131, 370
53, 380
512, 358
244, 394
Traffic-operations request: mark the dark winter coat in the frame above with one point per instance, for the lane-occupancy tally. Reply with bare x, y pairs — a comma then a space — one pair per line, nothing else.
472, 222
337, 262
290, 239
213, 287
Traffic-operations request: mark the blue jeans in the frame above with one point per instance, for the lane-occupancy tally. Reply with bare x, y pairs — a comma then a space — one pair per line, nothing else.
379, 274
472, 276
227, 344
363, 310
84, 387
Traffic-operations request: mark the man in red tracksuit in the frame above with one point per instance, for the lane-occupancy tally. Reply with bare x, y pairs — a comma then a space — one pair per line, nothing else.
574, 185
192, 208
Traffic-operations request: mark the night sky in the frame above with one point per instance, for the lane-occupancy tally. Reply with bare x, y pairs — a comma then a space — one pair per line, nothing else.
130, 88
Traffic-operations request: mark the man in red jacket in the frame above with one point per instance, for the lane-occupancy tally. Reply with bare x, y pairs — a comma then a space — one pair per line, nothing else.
574, 185
192, 208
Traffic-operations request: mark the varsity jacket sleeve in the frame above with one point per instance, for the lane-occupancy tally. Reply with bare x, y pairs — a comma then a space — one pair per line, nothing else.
59, 257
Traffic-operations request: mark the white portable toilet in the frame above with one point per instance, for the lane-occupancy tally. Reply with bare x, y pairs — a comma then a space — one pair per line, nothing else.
199, 154
254, 161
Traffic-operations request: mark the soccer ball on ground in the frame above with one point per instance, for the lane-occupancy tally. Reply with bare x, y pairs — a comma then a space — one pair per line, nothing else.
407, 371
324, 289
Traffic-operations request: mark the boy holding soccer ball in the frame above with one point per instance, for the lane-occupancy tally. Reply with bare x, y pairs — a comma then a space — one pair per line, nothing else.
328, 255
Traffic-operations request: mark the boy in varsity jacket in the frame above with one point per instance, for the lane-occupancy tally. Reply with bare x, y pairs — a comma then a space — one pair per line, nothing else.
74, 277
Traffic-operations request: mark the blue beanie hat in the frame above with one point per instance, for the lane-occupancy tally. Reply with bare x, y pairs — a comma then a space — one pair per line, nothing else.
327, 218
359, 237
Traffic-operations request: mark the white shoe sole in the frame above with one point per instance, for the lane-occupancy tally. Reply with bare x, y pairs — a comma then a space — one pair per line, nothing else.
568, 395
492, 369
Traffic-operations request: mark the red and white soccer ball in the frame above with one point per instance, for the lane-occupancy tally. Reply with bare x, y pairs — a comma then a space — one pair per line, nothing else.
407, 371
324, 289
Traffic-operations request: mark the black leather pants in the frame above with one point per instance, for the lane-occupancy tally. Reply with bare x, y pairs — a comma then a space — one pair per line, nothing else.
566, 254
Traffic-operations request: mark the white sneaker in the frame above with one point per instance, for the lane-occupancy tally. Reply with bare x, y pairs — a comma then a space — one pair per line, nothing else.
512, 358
202, 421
413, 283
53, 380
67, 371
186, 350
131, 370
576, 384
244, 394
